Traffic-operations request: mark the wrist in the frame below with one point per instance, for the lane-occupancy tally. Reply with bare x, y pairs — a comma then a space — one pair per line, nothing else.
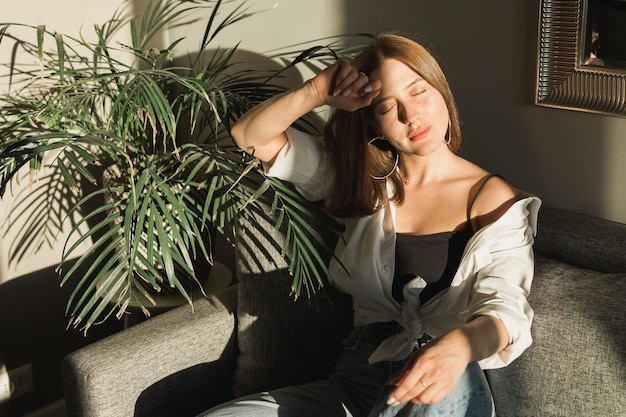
486, 336
317, 98
461, 339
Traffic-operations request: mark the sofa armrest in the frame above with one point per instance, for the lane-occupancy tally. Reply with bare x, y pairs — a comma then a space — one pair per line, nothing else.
177, 363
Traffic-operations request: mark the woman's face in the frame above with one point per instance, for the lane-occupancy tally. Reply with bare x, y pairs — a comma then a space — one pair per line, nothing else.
410, 113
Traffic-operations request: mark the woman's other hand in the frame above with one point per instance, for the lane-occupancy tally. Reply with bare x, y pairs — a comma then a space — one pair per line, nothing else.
434, 370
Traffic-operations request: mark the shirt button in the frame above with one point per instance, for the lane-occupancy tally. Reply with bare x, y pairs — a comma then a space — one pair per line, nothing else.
386, 268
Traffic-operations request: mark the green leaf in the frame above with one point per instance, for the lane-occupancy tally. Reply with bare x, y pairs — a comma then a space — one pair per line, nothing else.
41, 30
61, 56
91, 100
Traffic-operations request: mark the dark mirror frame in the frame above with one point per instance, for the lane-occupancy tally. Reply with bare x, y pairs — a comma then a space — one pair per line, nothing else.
563, 80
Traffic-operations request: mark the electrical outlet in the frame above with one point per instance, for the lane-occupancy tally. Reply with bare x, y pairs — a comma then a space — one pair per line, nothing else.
21, 380
5, 384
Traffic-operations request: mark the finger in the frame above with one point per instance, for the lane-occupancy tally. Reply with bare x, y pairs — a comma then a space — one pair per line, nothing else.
413, 380
325, 82
431, 395
371, 90
409, 388
340, 69
358, 100
412, 359
362, 87
345, 85
359, 86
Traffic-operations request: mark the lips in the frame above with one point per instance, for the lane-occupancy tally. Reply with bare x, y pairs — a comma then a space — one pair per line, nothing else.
419, 134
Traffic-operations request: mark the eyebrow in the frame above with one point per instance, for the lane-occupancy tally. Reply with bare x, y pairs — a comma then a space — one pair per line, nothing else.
379, 100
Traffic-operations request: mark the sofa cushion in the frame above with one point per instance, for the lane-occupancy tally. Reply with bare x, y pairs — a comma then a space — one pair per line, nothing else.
304, 340
581, 240
282, 340
577, 363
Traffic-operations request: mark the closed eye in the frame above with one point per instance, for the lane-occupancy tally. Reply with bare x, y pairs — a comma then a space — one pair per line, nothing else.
418, 92
384, 106
386, 109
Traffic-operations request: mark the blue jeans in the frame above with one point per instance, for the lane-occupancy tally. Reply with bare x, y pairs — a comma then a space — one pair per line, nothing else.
357, 389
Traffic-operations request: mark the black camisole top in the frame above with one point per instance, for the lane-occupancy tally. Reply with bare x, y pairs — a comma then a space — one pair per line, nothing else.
435, 257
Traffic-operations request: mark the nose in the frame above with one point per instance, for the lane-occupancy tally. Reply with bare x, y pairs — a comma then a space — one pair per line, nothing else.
408, 113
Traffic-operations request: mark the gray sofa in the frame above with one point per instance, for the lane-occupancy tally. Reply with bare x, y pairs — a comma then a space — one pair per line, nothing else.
254, 336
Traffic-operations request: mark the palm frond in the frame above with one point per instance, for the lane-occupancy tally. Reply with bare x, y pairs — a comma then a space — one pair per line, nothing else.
81, 104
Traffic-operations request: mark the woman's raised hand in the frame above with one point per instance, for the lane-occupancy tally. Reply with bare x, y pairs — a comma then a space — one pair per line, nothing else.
341, 86
261, 130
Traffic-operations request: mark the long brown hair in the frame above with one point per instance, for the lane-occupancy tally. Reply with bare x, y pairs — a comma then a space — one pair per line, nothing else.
347, 134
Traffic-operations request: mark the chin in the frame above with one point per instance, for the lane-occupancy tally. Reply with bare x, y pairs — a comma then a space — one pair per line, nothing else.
423, 148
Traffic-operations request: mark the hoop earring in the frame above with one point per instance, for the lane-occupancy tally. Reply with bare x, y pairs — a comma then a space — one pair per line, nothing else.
395, 165
447, 138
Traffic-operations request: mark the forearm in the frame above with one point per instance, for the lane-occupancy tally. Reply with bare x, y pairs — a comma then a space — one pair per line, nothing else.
485, 336
436, 368
261, 131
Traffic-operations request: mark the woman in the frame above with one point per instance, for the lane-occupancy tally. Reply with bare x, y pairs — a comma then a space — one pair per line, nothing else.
437, 253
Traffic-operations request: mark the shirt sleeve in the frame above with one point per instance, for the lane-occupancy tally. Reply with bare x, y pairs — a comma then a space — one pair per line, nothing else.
302, 162
501, 288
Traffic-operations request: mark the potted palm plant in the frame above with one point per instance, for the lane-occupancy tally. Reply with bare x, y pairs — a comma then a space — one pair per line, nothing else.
159, 132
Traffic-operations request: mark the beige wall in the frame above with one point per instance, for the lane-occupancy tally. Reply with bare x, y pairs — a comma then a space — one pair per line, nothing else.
66, 16
572, 160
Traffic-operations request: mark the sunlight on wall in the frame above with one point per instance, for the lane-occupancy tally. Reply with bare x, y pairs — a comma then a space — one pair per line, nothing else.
54, 14
67, 16
30, 238
279, 23
614, 205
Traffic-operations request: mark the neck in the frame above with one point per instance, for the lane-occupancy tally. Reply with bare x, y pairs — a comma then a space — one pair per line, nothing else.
417, 170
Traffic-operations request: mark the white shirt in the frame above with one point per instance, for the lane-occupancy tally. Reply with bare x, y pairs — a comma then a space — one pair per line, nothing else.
493, 278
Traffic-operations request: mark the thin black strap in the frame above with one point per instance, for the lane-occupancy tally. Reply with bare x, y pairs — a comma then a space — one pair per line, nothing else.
471, 204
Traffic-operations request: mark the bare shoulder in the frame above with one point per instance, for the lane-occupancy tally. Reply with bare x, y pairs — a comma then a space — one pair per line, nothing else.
490, 197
